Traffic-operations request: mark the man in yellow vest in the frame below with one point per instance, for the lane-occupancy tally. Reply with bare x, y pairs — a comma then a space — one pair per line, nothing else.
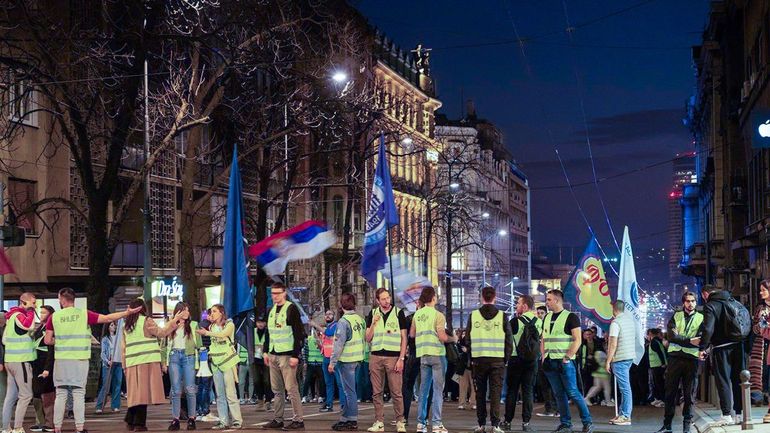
20, 351
684, 330
658, 361
245, 371
522, 367
314, 377
281, 352
429, 331
68, 330
490, 346
386, 331
561, 341
262, 388
347, 354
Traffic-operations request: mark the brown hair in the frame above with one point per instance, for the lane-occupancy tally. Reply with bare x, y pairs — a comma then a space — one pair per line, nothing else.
687, 294
221, 309
68, 294
278, 285
427, 295
528, 300
488, 293
348, 301
131, 319
709, 288
187, 328
556, 292
379, 292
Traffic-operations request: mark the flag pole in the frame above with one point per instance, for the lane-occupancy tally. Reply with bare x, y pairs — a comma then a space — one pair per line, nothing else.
390, 262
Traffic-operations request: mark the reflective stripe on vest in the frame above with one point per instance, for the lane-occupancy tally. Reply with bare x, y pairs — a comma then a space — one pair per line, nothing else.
281, 335
140, 349
556, 341
426, 338
313, 351
487, 336
222, 353
72, 338
18, 348
387, 333
258, 343
353, 351
688, 331
517, 336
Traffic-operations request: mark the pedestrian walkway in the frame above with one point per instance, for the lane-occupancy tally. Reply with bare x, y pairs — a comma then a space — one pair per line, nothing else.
705, 414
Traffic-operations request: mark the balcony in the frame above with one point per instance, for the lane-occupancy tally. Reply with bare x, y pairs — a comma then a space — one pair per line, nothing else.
128, 255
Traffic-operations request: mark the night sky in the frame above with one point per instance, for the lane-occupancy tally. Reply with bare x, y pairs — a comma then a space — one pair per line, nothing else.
635, 74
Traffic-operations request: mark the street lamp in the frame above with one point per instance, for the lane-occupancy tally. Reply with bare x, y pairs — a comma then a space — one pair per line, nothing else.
407, 141
454, 185
340, 77
501, 233
485, 215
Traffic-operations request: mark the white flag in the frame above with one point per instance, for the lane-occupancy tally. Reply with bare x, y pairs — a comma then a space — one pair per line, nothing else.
628, 292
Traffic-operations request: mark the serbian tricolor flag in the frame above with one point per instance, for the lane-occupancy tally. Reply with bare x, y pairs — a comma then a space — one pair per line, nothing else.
304, 241
6, 267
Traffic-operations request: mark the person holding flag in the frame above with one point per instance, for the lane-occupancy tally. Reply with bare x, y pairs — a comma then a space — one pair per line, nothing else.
620, 355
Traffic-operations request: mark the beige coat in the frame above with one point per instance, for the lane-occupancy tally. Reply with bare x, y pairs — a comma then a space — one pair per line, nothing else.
144, 382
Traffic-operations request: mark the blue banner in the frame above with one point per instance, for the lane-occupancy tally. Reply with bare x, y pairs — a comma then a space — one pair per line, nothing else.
236, 291
587, 289
382, 215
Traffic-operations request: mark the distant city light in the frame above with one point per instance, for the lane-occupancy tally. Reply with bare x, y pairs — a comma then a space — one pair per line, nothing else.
340, 77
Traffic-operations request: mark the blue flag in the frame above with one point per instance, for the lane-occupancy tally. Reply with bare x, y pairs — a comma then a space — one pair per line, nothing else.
236, 292
587, 289
382, 215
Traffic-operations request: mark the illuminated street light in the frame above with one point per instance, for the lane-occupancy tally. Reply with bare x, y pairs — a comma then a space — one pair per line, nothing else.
407, 141
502, 233
340, 77
454, 185
485, 215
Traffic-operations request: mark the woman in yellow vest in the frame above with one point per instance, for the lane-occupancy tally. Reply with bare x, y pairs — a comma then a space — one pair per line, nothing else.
224, 361
180, 355
142, 362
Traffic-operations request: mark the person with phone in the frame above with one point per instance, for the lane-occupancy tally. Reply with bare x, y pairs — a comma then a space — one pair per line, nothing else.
179, 360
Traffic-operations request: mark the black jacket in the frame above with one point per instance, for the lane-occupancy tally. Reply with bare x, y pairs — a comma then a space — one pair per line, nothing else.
488, 312
714, 320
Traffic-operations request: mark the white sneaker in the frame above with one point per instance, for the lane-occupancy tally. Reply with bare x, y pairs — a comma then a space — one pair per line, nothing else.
401, 426
608, 403
377, 426
439, 428
723, 421
461, 407
304, 400
18, 430
210, 418
738, 419
422, 428
474, 407
497, 429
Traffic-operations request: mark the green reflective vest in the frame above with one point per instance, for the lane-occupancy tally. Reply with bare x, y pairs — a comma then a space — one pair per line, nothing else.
140, 349
313, 351
654, 358
258, 343
689, 331
353, 351
517, 336
222, 353
71, 334
243, 354
487, 336
556, 341
387, 333
18, 348
426, 338
281, 335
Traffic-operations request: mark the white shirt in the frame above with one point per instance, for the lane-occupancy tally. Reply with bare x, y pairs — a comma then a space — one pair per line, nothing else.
179, 339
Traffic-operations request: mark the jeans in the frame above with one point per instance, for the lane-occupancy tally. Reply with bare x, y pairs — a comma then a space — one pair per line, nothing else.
228, 407
347, 373
115, 374
681, 370
521, 374
432, 370
330, 380
314, 381
563, 379
728, 363
203, 399
181, 370
363, 384
622, 371
488, 371
245, 377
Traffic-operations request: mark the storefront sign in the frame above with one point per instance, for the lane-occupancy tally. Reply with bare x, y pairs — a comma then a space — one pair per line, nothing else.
760, 124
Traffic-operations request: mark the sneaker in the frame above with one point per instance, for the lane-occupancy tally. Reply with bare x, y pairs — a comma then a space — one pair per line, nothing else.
304, 400
18, 430
497, 429
479, 429
621, 420
36, 428
191, 424
439, 428
401, 426
422, 428
562, 428
269, 406
326, 409
377, 426
608, 403
210, 418
295, 425
526, 427
723, 421
505, 425
199, 418
273, 425
548, 414
461, 407
98, 411
219, 426
47, 429
589, 428
174, 426
115, 410
665, 429
738, 419
236, 426
766, 418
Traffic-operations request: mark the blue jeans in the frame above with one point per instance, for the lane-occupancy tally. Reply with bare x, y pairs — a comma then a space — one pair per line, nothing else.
347, 373
432, 371
363, 382
563, 380
622, 374
181, 370
203, 399
329, 380
115, 383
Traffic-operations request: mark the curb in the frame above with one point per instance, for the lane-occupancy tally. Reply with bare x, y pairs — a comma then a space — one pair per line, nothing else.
702, 422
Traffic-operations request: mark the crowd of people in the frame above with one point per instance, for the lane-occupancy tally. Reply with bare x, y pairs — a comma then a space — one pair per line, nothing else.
540, 354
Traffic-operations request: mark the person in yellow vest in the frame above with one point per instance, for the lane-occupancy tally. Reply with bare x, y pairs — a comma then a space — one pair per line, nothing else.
347, 354
179, 359
314, 377
561, 341
245, 369
264, 393
658, 361
522, 367
387, 332
224, 361
684, 330
20, 352
429, 331
284, 340
68, 330
490, 345
42, 371
141, 356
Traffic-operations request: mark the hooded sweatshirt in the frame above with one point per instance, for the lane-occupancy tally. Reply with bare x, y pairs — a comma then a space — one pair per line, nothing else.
489, 311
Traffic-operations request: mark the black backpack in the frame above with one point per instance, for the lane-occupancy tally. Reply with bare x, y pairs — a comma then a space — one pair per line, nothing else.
737, 320
528, 346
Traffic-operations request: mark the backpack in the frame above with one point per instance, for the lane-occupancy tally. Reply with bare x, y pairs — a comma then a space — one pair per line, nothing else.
737, 320
528, 346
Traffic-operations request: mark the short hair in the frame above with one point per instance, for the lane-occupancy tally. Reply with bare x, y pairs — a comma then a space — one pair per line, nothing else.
26, 296
618, 305
348, 301
528, 300
427, 295
379, 292
589, 330
68, 294
488, 293
709, 288
654, 331
278, 285
542, 308
556, 292
688, 293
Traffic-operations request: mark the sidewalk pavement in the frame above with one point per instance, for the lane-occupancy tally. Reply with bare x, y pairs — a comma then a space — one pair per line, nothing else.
706, 414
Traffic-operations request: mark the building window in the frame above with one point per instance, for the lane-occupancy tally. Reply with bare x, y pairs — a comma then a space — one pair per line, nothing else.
21, 98
458, 261
21, 195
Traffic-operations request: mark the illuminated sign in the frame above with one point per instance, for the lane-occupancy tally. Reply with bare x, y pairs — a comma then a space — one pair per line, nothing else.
760, 125
171, 287
431, 155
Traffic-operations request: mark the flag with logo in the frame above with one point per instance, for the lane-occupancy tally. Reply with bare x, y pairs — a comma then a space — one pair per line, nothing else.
628, 292
587, 289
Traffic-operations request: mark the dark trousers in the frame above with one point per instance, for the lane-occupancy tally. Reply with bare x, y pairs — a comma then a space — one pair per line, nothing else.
522, 374
137, 415
313, 376
411, 372
658, 383
684, 371
728, 363
488, 371
262, 382
545, 391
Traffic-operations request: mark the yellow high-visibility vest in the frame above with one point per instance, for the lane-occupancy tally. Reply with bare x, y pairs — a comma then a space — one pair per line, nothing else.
426, 338
487, 336
72, 334
140, 349
18, 348
689, 331
387, 333
556, 341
